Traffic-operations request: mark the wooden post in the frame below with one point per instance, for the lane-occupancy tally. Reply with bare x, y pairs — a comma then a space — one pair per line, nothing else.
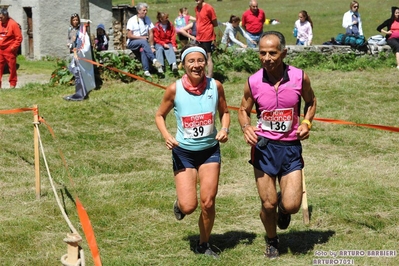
85, 12
36, 147
305, 211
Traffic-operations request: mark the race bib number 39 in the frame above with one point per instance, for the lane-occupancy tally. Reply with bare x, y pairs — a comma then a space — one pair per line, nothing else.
279, 120
197, 126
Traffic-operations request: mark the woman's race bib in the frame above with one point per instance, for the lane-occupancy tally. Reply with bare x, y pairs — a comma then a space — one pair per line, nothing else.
198, 125
279, 120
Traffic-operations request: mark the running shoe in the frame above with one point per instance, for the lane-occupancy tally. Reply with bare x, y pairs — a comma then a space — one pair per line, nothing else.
205, 249
178, 213
284, 219
271, 251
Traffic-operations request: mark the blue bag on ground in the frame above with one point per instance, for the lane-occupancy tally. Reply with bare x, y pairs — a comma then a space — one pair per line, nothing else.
355, 41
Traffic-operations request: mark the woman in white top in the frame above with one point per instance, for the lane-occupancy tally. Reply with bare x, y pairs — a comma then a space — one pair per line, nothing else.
352, 21
304, 29
230, 33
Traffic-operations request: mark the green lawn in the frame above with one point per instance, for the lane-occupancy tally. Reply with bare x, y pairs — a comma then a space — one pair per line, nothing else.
122, 172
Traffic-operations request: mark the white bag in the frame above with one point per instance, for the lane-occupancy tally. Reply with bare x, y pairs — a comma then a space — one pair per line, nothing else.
377, 40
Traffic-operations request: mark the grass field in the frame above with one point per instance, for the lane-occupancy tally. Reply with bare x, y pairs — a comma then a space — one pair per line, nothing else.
122, 173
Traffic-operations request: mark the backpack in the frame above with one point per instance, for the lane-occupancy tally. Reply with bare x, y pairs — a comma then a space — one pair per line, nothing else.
377, 40
180, 22
355, 41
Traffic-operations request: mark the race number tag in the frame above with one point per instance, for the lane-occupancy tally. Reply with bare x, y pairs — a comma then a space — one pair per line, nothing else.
197, 126
279, 120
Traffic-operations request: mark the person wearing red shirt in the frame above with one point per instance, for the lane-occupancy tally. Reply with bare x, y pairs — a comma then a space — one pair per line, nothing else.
252, 21
205, 22
10, 40
165, 41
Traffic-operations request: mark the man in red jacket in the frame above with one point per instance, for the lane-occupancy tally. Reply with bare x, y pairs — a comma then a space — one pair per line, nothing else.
10, 40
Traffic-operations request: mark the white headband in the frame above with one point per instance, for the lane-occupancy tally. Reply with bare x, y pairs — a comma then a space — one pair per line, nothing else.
191, 50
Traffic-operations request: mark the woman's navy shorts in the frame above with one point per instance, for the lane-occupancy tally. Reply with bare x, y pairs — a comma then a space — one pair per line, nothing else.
183, 158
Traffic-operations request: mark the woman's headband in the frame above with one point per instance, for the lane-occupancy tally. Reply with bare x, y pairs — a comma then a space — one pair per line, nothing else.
191, 50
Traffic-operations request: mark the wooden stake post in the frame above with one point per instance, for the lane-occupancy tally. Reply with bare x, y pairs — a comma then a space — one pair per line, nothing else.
305, 211
36, 147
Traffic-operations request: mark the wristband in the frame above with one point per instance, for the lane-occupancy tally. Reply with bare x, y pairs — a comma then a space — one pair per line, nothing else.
307, 122
226, 129
152, 46
244, 126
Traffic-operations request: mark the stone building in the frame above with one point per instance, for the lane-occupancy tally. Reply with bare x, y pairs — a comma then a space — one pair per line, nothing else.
45, 23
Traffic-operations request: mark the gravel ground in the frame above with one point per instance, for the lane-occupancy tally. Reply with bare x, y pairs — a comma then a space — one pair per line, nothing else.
24, 79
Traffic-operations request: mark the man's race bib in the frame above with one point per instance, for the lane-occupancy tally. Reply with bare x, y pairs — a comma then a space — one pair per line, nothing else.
198, 125
279, 120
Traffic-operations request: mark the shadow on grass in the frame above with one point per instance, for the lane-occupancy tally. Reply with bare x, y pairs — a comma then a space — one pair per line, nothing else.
298, 242
225, 241
301, 242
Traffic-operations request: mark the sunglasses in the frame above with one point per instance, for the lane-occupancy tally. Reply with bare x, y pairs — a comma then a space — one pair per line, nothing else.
355, 6
74, 15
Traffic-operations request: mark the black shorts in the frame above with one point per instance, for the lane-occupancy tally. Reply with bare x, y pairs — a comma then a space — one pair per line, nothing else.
207, 46
183, 158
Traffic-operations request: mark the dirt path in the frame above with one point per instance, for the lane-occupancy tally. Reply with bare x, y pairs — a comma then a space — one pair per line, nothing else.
24, 79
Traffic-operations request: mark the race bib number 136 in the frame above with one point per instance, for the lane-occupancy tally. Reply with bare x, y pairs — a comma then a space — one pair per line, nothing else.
279, 120
198, 125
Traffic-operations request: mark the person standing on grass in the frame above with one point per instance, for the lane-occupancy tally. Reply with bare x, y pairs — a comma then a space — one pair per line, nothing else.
275, 140
304, 26
10, 40
351, 20
205, 22
195, 100
252, 21
82, 70
392, 32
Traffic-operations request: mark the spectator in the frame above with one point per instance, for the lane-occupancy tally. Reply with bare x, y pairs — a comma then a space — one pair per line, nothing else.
10, 40
83, 71
206, 21
182, 20
140, 38
73, 31
304, 29
392, 32
230, 33
189, 31
165, 41
197, 102
252, 21
101, 40
352, 21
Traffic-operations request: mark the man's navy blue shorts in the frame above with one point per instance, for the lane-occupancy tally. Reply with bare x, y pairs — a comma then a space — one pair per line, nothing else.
277, 158
183, 158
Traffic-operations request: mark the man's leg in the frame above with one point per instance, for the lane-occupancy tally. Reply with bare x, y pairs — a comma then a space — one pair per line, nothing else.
250, 44
291, 192
2, 64
11, 59
266, 186
137, 45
